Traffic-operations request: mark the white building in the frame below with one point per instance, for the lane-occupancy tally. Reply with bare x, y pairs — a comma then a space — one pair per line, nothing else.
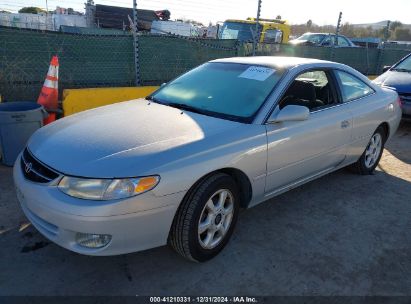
51, 22
174, 28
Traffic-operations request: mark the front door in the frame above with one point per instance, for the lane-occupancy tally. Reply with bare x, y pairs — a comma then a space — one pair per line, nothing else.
301, 149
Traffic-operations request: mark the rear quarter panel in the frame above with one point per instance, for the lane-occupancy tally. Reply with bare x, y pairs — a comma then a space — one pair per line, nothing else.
368, 113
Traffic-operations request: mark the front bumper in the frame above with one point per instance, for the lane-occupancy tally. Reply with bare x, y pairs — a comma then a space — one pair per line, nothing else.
59, 217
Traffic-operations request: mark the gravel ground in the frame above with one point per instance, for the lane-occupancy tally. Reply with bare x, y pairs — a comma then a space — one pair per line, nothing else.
343, 234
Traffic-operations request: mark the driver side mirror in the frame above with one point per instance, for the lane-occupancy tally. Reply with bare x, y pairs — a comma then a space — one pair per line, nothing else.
290, 113
386, 68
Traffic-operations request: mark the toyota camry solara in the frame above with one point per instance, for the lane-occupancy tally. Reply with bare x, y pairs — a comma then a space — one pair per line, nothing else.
177, 166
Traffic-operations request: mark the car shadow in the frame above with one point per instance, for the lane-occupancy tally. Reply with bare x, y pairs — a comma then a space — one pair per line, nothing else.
400, 145
342, 234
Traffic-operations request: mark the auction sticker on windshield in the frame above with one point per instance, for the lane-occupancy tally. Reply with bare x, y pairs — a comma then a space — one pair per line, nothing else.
257, 73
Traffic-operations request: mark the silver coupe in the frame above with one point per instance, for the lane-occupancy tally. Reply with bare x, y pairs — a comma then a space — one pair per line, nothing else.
177, 166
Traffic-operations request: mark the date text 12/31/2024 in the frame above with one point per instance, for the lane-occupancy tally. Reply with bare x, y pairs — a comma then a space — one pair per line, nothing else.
203, 299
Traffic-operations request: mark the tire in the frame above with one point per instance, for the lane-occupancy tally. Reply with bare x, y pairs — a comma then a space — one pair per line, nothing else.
197, 212
369, 160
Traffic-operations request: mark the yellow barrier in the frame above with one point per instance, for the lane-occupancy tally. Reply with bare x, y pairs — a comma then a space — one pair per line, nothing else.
77, 100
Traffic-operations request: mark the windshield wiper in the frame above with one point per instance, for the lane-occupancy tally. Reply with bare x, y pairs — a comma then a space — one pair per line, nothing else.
400, 70
182, 106
152, 98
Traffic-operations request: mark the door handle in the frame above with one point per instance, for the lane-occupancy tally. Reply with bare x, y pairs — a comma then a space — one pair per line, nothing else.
345, 124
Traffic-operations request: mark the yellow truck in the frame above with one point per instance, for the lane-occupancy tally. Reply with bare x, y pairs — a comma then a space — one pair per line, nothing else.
269, 30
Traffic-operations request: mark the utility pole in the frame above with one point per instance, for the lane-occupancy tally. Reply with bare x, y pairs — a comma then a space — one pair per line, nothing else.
257, 28
135, 43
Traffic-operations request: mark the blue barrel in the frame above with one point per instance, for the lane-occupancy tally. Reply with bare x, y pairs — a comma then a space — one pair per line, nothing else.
18, 121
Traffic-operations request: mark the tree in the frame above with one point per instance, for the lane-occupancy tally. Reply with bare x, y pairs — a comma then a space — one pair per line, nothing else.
394, 25
278, 17
402, 34
32, 10
309, 24
347, 30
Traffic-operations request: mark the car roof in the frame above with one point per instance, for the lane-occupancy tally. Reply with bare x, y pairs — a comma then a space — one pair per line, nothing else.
278, 62
334, 34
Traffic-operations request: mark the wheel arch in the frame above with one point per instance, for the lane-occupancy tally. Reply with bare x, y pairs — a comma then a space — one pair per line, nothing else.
386, 128
239, 177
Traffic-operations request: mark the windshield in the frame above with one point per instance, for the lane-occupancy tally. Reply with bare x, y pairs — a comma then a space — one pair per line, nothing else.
237, 30
313, 38
404, 65
227, 90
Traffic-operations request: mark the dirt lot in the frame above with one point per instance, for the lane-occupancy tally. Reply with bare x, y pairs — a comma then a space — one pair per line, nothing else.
343, 234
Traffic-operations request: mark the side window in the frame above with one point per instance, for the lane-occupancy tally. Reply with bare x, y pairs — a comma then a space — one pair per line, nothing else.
352, 87
311, 89
326, 41
273, 36
342, 42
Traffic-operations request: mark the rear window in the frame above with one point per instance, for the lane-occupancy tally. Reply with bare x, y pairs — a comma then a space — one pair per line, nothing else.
352, 87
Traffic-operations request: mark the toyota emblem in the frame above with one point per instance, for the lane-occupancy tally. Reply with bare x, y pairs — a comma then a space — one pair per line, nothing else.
28, 167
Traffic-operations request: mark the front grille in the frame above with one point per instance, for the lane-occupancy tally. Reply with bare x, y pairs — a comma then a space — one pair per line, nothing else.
34, 170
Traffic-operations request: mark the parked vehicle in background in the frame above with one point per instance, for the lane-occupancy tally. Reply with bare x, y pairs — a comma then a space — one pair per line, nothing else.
398, 77
177, 166
323, 39
270, 30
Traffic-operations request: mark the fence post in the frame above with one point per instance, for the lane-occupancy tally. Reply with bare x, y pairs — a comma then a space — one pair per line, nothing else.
135, 43
256, 34
367, 58
381, 49
337, 33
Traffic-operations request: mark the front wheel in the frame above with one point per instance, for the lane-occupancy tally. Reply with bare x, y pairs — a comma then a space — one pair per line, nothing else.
206, 218
372, 154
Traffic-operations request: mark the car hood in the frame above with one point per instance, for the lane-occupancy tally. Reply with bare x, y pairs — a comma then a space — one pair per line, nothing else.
401, 81
126, 139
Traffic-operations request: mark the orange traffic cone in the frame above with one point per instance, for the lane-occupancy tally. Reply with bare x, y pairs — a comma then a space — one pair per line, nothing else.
49, 93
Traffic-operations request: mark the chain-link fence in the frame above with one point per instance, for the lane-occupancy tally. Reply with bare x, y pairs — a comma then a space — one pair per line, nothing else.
85, 61
99, 60
163, 58
105, 58
369, 61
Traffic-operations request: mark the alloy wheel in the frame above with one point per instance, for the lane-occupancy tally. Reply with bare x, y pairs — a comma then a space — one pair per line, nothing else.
215, 219
373, 150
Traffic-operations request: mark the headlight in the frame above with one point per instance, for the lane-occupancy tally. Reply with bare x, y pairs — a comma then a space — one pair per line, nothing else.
106, 189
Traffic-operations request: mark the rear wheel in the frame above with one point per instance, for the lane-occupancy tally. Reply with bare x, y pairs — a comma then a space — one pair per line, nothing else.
372, 154
206, 218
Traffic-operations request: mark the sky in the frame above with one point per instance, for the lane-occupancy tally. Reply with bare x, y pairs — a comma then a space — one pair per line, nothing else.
295, 11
